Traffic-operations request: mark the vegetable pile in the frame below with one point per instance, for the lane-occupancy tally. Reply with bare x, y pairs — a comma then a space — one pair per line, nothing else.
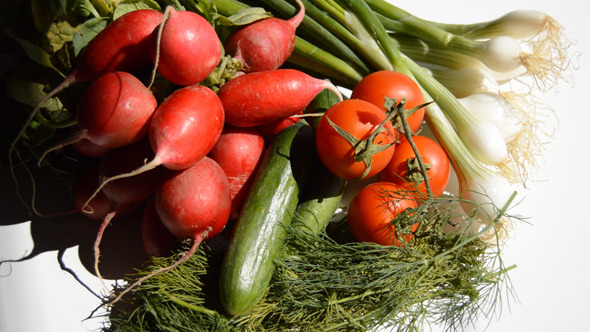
292, 160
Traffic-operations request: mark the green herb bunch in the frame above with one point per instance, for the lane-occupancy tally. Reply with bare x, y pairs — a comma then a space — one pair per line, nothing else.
331, 283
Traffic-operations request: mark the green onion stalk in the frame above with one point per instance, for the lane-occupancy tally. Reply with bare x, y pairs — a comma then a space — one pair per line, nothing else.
544, 61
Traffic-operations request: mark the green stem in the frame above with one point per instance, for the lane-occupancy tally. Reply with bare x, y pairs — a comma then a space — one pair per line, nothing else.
450, 105
409, 134
408, 23
370, 21
316, 59
337, 27
102, 8
187, 305
425, 52
333, 10
315, 31
229, 7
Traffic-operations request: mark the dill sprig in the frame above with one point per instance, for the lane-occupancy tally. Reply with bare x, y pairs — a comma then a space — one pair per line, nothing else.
323, 284
442, 279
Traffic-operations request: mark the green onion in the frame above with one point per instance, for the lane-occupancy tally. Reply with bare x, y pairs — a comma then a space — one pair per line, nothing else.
519, 24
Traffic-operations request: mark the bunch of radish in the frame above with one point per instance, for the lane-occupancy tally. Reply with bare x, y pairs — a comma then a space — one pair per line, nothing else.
189, 159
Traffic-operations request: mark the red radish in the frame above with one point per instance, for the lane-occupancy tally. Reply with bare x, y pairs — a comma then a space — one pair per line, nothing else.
270, 130
265, 44
260, 98
97, 206
196, 201
186, 48
89, 149
184, 128
122, 45
238, 151
193, 204
156, 238
114, 111
101, 204
126, 159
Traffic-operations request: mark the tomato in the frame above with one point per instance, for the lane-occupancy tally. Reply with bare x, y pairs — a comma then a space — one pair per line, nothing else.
392, 84
372, 211
432, 153
360, 119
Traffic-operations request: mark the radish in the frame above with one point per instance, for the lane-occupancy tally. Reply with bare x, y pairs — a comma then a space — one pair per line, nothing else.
89, 149
186, 48
193, 204
114, 111
265, 44
270, 130
184, 128
101, 204
156, 238
125, 159
122, 45
260, 98
239, 152
98, 206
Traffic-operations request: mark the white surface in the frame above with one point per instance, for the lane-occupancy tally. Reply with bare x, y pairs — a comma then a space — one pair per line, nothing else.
551, 253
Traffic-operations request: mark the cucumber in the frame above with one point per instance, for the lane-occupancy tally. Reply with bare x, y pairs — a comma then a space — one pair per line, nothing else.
320, 104
320, 200
321, 197
260, 230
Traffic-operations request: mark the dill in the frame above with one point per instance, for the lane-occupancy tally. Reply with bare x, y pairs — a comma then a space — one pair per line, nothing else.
321, 284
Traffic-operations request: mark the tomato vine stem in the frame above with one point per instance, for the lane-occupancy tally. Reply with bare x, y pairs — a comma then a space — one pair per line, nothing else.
399, 110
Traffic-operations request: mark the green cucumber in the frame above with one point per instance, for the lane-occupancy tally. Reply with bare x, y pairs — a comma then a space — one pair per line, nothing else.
321, 197
260, 231
320, 200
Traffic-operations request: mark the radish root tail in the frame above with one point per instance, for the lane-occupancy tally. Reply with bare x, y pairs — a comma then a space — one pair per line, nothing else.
74, 138
158, 41
103, 226
147, 167
69, 80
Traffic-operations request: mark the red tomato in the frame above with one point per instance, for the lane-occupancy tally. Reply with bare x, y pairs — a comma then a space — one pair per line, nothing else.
360, 119
392, 84
432, 154
372, 211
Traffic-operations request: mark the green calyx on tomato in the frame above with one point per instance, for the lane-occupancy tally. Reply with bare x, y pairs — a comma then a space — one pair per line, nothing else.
400, 114
404, 167
359, 119
364, 149
414, 173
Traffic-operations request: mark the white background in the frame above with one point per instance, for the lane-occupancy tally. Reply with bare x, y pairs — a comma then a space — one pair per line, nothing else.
551, 280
